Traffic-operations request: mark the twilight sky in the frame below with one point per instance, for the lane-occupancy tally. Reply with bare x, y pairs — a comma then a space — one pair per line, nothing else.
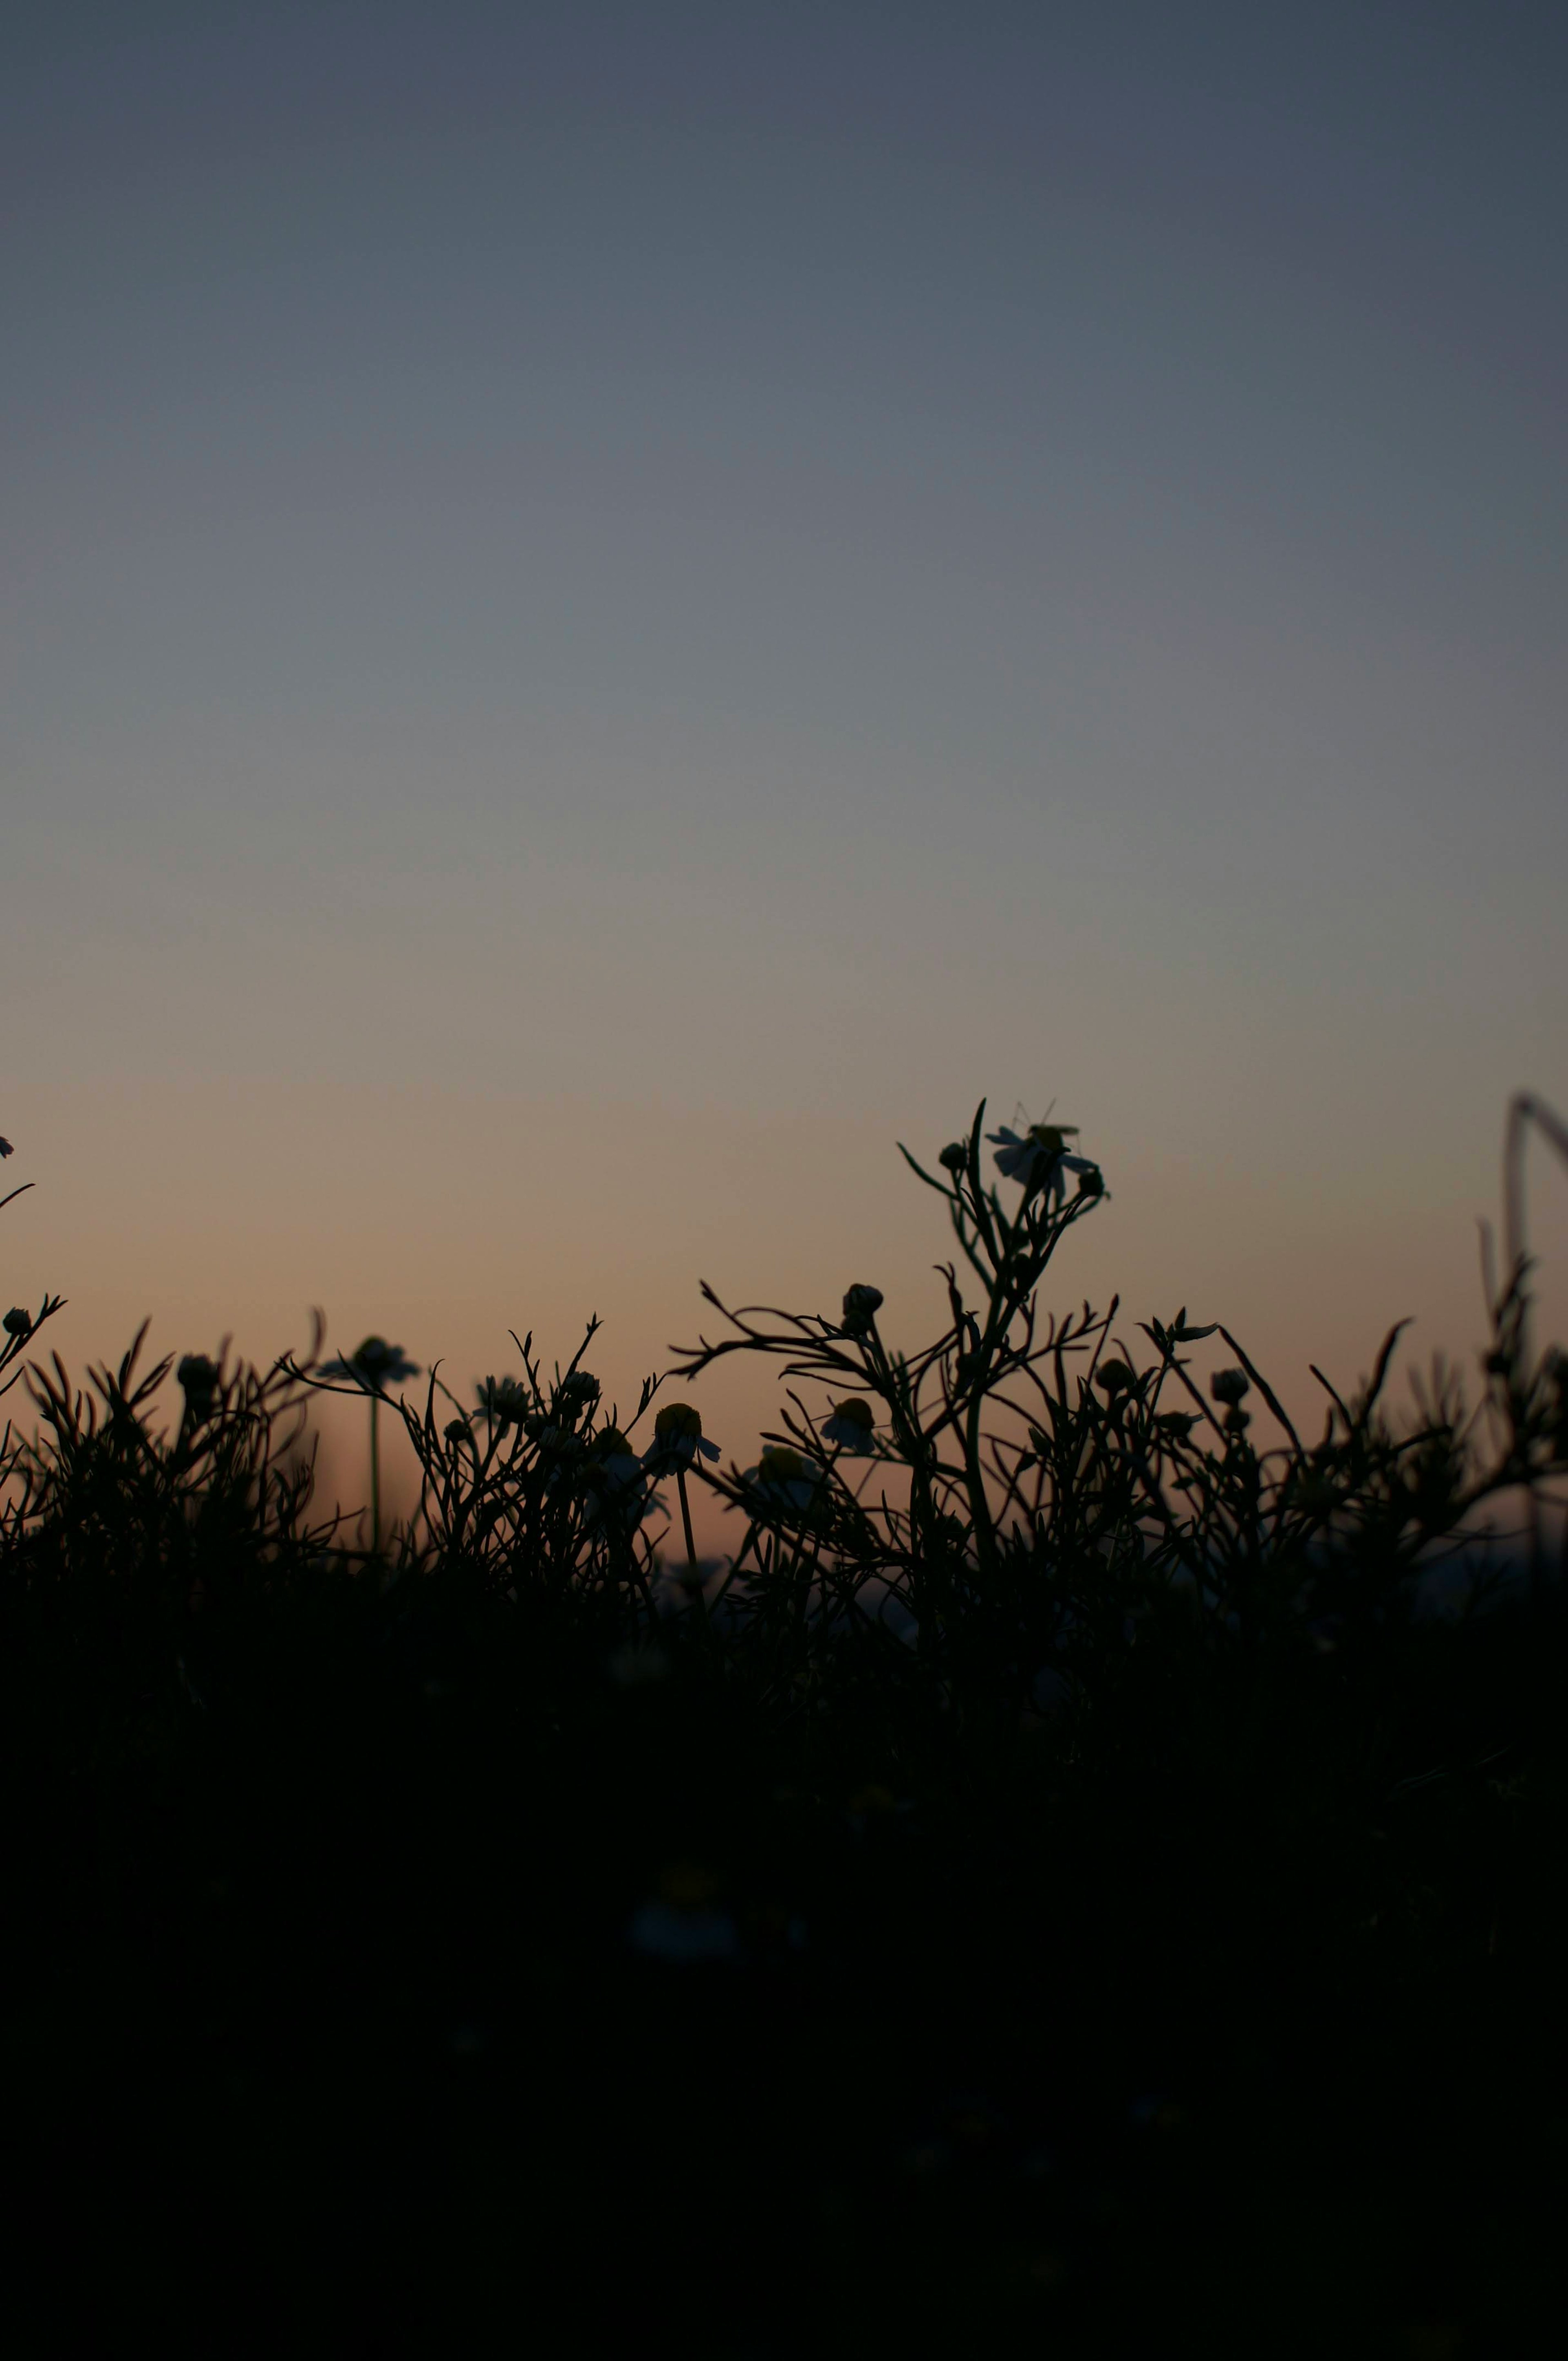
605, 610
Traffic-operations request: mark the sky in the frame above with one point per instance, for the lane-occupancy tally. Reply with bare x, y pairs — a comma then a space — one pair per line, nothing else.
606, 611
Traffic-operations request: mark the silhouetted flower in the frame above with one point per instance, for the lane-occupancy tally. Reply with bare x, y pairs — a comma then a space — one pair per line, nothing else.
1037, 1157
783, 1479
686, 1923
502, 1402
684, 1938
851, 1426
677, 1439
577, 1393
612, 1460
616, 1479
17, 1323
954, 1158
374, 1365
1229, 1386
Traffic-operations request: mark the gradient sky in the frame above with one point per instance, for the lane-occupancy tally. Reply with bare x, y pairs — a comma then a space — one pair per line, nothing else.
606, 610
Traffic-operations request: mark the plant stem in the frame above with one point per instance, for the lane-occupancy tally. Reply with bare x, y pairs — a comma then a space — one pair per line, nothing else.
375, 1481
691, 1546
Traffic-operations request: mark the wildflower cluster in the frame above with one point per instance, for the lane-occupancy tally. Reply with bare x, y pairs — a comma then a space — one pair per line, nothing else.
1006, 1508
1022, 1495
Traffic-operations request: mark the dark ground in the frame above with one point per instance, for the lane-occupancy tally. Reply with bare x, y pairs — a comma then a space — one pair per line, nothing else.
1227, 2018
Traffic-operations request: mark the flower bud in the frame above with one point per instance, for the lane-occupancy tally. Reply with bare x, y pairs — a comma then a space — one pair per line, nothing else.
1229, 1386
199, 1378
861, 1305
954, 1157
17, 1323
577, 1393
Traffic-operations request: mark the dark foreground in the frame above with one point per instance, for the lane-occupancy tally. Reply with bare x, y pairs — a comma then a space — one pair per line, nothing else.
342, 2016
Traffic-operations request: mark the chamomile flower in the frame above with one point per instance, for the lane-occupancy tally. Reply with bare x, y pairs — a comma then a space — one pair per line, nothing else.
374, 1365
783, 1479
1037, 1157
677, 1439
612, 1461
502, 1402
615, 1480
576, 1394
850, 1426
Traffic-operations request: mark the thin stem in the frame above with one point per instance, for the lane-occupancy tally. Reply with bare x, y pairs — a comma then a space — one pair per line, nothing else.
691, 1546
375, 1481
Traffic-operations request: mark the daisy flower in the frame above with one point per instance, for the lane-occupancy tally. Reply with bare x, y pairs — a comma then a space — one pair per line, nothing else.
502, 1402
577, 1393
612, 1460
374, 1364
1037, 1157
783, 1479
677, 1439
851, 1426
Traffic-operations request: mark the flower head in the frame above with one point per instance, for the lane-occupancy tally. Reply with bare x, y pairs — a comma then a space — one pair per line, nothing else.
954, 1158
577, 1393
374, 1365
677, 1439
1037, 1159
17, 1323
612, 1462
784, 1480
502, 1402
851, 1426
616, 1480
1229, 1386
